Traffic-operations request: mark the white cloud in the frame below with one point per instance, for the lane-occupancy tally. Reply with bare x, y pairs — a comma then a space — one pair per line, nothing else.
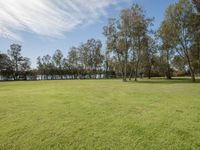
48, 17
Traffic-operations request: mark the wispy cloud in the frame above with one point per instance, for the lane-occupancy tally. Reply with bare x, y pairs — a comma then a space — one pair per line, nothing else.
50, 18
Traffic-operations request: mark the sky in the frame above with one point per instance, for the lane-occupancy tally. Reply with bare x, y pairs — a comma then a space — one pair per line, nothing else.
43, 26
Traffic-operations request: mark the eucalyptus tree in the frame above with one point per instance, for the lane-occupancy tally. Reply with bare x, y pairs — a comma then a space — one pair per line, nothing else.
15, 55
180, 16
150, 49
98, 56
40, 67
58, 62
168, 43
123, 26
195, 53
139, 28
196, 42
73, 60
84, 56
58, 59
115, 44
106, 63
6, 68
73, 57
90, 56
25, 67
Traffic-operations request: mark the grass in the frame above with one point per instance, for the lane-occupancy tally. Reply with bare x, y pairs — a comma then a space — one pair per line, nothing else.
100, 114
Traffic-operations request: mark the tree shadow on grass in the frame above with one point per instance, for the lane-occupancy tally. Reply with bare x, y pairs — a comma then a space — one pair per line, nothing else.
165, 81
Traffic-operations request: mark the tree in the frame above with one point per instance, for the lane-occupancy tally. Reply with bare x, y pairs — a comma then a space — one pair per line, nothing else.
124, 38
167, 37
58, 61
139, 27
180, 16
148, 57
6, 68
40, 66
73, 57
97, 56
90, 56
196, 41
15, 55
73, 60
24, 67
113, 43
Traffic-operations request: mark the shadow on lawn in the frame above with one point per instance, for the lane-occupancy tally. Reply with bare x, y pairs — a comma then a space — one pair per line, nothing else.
165, 81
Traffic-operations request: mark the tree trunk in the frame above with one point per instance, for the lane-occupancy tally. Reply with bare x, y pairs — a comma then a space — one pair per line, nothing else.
136, 70
191, 69
199, 58
125, 67
168, 74
131, 75
149, 73
192, 73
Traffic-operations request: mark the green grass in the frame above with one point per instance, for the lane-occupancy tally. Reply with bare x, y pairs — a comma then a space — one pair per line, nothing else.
100, 114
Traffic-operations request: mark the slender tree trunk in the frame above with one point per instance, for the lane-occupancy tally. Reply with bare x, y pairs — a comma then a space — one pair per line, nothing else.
125, 67
16, 70
95, 72
136, 70
132, 69
149, 73
121, 66
122, 72
192, 73
131, 74
138, 58
106, 70
168, 67
126, 61
168, 72
190, 67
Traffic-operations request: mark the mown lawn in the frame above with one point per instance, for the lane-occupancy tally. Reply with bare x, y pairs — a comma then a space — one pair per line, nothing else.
100, 114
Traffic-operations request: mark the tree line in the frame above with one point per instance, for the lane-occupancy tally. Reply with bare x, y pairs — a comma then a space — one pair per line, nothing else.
132, 49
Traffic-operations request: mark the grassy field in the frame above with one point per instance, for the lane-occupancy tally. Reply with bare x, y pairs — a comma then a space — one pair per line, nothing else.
100, 114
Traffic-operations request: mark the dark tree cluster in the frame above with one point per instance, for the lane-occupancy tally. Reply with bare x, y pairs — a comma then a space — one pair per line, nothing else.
13, 65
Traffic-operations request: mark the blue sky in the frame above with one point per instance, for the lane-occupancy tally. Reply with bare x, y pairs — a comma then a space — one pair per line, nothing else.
42, 26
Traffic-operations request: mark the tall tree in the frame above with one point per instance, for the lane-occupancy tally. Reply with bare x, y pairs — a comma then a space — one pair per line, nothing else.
15, 55
58, 59
25, 66
124, 38
58, 62
73, 60
196, 42
180, 16
73, 57
6, 68
148, 57
115, 44
167, 37
139, 27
